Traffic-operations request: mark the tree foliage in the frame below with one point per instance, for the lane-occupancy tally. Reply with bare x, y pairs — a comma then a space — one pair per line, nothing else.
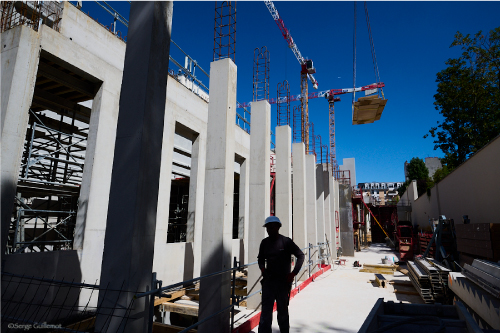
417, 169
468, 97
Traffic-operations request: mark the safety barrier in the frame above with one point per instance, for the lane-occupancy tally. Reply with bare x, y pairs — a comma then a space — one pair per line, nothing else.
323, 254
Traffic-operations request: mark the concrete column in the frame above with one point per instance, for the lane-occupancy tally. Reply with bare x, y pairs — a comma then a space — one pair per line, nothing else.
312, 218
244, 208
196, 208
20, 53
130, 232
284, 178
320, 204
163, 210
328, 216
260, 139
219, 186
93, 201
337, 212
331, 182
346, 226
299, 200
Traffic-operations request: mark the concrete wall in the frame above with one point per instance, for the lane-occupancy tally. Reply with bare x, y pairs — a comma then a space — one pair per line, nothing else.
349, 164
471, 189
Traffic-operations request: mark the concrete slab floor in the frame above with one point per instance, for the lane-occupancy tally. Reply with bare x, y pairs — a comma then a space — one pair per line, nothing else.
340, 300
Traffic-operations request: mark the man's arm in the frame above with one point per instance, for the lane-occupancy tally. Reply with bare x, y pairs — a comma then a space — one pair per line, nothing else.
260, 258
299, 255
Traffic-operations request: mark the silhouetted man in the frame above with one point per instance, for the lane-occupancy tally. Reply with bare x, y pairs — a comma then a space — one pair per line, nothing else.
275, 263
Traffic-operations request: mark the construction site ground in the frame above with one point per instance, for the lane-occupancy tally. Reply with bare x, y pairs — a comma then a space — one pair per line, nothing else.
340, 299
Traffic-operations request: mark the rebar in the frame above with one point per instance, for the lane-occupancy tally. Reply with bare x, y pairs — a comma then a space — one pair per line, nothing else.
283, 104
261, 63
225, 30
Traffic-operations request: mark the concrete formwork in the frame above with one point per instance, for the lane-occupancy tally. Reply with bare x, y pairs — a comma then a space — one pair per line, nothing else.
320, 204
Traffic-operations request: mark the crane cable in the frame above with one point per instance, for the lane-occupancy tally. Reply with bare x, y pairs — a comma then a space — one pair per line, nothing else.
354, 58
372, 45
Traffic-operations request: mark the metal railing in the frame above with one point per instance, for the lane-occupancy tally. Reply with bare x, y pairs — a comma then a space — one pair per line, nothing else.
323, 251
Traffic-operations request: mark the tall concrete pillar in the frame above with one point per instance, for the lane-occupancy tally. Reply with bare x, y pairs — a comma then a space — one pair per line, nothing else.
260, 140
346, 225
312, 218
215, 292
90, 229
299, 200
320, 204
328, 218
284, 178
336, 217
131, 224
333, 195
244, 208
20, 53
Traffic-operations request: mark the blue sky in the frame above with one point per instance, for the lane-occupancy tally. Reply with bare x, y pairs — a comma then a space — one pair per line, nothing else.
412, 43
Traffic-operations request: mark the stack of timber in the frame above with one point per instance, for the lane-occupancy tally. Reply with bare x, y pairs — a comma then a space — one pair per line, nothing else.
368, 109
379, 268
430, 279
390, 317
478, 240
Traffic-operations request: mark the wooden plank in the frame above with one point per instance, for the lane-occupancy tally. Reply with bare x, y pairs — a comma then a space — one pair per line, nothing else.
190, 310
379, 278
377, 270
173, 296
164, 328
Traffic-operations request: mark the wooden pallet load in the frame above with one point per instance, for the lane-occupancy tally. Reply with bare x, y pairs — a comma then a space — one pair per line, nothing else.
368, 109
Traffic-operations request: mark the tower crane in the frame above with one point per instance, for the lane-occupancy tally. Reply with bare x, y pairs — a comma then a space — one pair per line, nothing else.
307, 69
330, 95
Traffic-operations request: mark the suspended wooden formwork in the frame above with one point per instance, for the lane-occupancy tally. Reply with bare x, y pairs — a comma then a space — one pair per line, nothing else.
367, 109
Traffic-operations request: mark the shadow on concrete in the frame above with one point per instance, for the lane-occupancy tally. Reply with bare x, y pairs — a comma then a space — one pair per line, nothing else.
303, 328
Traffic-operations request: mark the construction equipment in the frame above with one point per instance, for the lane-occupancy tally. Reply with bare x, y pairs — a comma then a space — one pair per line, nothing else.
306, 70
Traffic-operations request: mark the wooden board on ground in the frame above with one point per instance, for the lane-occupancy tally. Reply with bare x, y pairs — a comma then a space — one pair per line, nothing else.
406, 292
377, 270
379, 278
164, 328
190, 310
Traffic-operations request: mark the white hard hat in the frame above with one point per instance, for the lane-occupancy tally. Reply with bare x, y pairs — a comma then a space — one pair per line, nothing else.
272, 219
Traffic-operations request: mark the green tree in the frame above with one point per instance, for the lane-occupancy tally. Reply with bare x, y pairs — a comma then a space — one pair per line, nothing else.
441, 173
468, 97
417, 169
